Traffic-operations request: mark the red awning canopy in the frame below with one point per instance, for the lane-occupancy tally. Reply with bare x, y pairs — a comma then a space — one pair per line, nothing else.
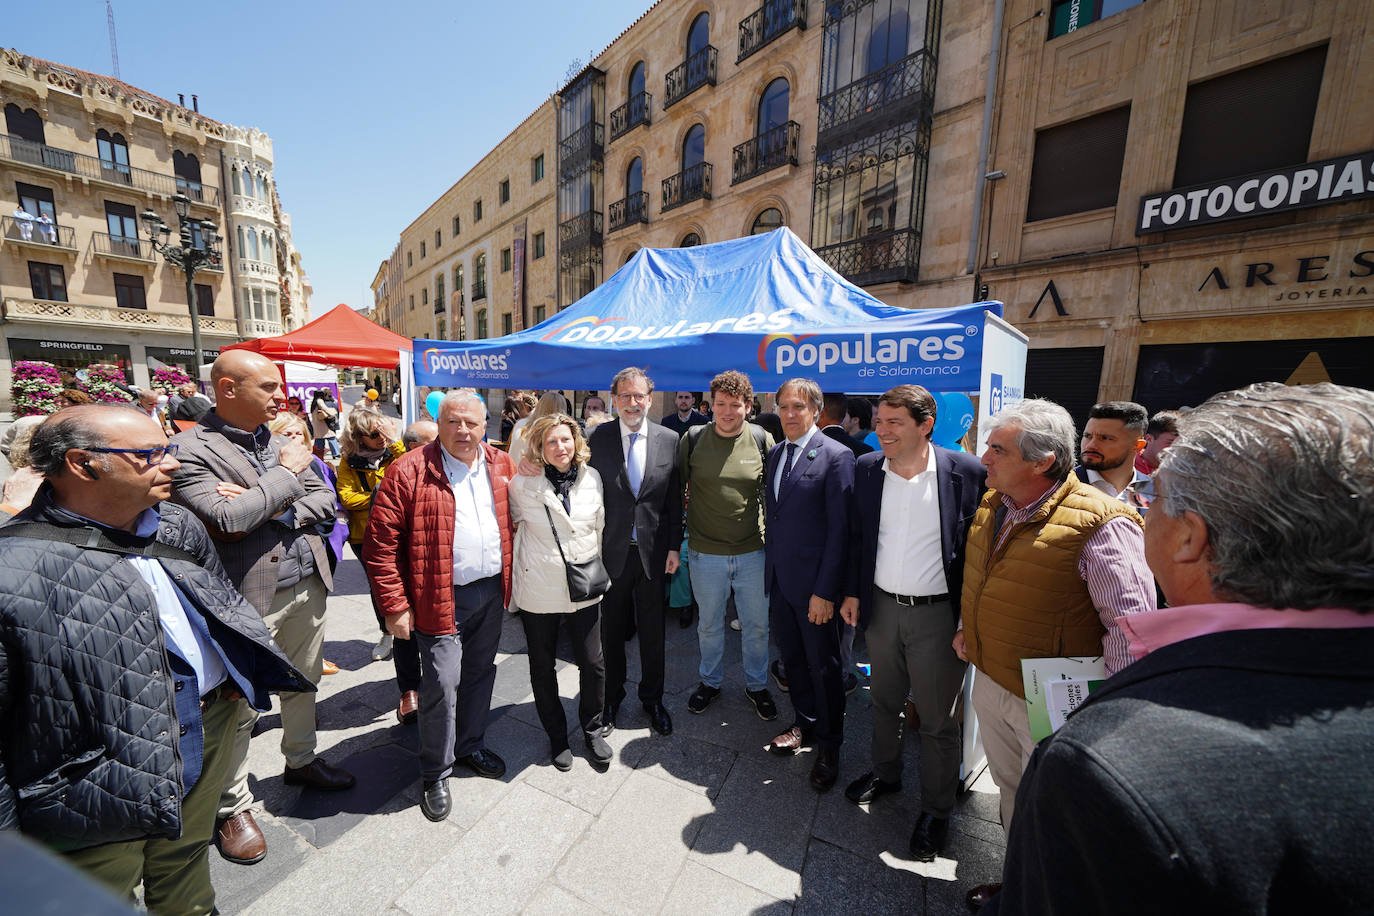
341, 337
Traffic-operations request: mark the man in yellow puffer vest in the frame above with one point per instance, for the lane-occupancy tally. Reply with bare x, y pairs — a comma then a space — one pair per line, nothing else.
1051, 564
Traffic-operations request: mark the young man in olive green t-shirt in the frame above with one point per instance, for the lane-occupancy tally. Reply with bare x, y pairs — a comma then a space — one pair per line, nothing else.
722, 473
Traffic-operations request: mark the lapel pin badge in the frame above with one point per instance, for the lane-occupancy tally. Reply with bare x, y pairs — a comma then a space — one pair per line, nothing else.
811, 454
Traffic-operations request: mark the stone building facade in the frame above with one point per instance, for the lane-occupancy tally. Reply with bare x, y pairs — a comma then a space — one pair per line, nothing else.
82, 157
939, 154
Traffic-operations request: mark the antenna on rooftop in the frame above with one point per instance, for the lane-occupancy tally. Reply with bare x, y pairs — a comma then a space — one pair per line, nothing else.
114, 45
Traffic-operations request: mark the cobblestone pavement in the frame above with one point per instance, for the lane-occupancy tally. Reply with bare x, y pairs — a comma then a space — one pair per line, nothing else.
703, 821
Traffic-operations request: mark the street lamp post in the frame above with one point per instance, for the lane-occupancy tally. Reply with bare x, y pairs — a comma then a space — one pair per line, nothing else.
188, 256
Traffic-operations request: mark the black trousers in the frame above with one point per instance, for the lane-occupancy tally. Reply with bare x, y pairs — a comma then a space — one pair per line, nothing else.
811, 654
541, 643
405, 653
635, 599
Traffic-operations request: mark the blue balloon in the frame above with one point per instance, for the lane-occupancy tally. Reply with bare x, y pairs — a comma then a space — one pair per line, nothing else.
432, 403
953, 417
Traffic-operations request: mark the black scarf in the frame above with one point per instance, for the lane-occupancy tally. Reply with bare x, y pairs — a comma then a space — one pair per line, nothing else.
562, 482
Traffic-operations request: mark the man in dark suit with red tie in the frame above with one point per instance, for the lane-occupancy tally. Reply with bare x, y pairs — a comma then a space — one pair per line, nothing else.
637, 461
913, 505
808, 480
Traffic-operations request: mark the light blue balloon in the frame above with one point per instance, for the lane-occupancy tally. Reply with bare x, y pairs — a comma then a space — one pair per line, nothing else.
953, 417
432, 403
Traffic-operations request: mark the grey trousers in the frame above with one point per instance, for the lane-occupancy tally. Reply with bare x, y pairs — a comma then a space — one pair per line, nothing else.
457, 672
910, 650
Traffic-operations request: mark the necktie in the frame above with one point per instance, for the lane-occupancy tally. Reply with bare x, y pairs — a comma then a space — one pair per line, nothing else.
632, 468
787, 466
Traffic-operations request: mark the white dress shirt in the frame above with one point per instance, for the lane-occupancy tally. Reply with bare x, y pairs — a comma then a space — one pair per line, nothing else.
910, 556
796, 457
476, 532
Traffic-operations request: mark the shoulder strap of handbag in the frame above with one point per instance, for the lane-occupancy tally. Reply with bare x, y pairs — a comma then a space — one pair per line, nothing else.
90, 538
552, 527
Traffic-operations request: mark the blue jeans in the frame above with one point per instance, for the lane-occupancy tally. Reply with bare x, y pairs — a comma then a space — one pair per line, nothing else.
713, 576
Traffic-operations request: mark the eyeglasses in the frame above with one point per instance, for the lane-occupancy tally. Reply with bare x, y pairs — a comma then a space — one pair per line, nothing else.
375, 434
632, 396
152, 456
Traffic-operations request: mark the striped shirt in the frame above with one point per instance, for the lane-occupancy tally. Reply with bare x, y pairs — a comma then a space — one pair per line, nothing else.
1112, 565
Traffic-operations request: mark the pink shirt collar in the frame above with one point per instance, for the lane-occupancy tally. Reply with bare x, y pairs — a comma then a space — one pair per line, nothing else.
1151, 630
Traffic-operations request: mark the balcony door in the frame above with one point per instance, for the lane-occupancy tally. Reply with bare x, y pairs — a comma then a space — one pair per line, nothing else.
123, 225
114, 157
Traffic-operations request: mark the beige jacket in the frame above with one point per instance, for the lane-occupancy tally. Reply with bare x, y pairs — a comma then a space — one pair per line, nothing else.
540, 584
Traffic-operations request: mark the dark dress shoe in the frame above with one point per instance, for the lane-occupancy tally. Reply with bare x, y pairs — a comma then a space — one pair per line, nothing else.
319, 775
850, 682
563, 760
436, 802
599, 750
239, 839
825, 769
659, 720
484, 763
981, 895
608, 718
701, 698
869, 787
928, 839
789, 743
408, 710
779, 676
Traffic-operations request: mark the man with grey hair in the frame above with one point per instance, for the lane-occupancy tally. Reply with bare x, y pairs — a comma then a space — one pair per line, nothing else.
438, 554
1263, 661
1051, 565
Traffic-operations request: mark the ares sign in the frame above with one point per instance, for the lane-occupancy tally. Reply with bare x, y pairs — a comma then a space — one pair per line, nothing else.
1315, 184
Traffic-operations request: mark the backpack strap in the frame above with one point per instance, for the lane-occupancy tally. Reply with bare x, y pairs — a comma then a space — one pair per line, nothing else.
90, 538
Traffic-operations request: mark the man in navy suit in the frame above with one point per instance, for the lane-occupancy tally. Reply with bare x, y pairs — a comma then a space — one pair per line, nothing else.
637, 461
808, 480
913, 505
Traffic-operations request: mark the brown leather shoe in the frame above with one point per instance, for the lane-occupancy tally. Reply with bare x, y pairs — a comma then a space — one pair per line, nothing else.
239, 839
789, 743
981, 895
408, 710
319, 775
825, 769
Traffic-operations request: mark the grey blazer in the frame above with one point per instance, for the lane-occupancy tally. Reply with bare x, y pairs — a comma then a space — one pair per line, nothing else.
249, 545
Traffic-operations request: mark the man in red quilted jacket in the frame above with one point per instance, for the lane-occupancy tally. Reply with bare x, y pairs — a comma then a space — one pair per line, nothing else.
439, 558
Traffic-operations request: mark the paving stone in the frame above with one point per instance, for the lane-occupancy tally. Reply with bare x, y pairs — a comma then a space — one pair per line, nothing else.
976, 862
835, 880
760, 828
701, 891
381, 772
635, 849
553, 900
584, 786
499, 864
694, 765
519, 745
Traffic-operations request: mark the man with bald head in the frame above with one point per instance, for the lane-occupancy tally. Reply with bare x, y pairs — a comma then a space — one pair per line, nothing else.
419, 434
261, 502
125, 657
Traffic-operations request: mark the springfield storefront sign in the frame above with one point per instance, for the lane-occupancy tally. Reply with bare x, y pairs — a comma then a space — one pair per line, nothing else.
1315, 184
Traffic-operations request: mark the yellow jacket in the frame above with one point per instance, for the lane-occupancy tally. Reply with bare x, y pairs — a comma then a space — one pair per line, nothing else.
357, 486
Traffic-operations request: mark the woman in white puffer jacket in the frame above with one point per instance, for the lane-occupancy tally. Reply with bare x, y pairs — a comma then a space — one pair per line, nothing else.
566, 496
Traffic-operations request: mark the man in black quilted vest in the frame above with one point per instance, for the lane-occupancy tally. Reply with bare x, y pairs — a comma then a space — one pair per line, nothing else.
123, 649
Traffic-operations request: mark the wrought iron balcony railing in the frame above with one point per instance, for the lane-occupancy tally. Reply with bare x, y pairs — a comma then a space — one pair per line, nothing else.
767, 151
32, 232
767, 23
479, 290
585, 145
632, 114
582, 231
883, 257
633, 209
898, 92
17, 149
686, 186
693, 73
122, 246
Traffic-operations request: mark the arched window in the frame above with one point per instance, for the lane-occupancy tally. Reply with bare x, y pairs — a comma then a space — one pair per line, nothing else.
114, 156
243, 244
186, 168
690, 240
636, 85
767, 221
481, 324
694, 146
479, 270
699, 35
773, 105
888, 40
234, 177
875, 220
24, 123
439, 303
634, 177
458, 279
254, 253
630, 255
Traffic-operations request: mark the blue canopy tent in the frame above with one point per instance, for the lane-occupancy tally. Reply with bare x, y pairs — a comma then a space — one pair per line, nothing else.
766, 305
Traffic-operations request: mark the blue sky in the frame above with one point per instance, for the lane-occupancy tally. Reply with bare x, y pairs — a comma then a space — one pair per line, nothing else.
373, 116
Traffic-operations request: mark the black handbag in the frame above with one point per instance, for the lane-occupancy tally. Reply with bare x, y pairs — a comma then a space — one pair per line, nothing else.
588, 580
